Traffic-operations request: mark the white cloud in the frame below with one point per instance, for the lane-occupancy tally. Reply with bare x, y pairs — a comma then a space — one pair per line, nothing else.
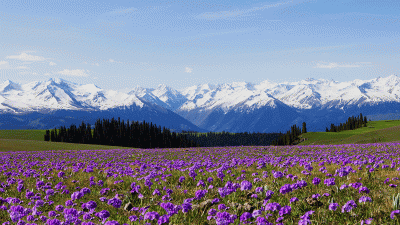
340, 65
26, 57
188, 70
113, 61
77, 73
4, 65
52, 63
21, 67
234, 13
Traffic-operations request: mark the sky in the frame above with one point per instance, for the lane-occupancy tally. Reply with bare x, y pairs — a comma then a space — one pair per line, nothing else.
119, 45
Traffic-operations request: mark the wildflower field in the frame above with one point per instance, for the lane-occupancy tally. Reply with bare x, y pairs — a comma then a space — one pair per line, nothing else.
324, 184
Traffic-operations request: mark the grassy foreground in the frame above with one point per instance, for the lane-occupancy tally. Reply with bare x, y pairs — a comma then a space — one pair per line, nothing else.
375, 132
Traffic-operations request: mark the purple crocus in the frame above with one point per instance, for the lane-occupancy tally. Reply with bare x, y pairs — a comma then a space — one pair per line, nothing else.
245, 185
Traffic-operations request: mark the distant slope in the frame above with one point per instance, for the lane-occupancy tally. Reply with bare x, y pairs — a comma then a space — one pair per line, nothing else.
33, 145
376, 132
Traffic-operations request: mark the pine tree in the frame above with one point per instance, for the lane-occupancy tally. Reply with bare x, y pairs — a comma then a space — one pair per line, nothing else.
304, 128
47, 136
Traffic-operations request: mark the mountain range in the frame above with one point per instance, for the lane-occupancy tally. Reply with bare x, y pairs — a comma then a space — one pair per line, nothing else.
233, 107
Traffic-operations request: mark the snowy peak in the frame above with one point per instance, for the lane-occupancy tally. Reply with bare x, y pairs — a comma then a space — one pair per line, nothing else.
8, 85
140, 91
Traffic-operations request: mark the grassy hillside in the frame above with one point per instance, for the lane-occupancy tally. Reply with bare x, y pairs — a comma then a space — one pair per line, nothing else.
375, 132
33, 140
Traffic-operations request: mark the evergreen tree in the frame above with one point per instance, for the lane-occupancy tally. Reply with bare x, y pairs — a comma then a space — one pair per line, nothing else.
47, 136
304, 128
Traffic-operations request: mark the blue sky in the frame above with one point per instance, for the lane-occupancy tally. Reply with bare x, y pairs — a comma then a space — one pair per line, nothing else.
121, 44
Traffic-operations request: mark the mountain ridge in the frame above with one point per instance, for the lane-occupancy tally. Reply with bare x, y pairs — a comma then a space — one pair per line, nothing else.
212, 107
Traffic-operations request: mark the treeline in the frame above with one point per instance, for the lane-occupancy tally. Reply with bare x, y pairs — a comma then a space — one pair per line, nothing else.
221, 139
291, 137
106, 132
351, 124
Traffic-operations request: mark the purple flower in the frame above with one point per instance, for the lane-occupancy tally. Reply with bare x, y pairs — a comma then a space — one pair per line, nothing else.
393, 214
285, 189
329, 182
363, 190
245, 185
163, 219
221, 207
259, 189
76, 195
294, 199
215, 200
60, 208
316, 181
278, 174
186, 207
316, 196
285, 210
52, 214
302, 183
245, 216
103, 214
364, 199
133, 218
112, 222
151, 216
91, 205
61, 174
53, 222
49, 192
212, 212
343, 186
200, 194
274, 206
115, 202
333, 206
256, 213
85, 190
367, 221
16, 212
349, 206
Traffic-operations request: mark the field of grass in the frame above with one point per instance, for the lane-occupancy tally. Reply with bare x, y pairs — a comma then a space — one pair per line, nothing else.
33, 140
375, 132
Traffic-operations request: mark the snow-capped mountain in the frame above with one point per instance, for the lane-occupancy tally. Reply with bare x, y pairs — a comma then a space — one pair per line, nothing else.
232, 107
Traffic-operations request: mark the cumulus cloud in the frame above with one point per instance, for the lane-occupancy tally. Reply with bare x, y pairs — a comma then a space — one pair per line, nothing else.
340, 65
188, 70
52, 63
76, 73
26, 57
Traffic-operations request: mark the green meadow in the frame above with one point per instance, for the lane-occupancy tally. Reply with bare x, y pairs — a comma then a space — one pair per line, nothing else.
375, 132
